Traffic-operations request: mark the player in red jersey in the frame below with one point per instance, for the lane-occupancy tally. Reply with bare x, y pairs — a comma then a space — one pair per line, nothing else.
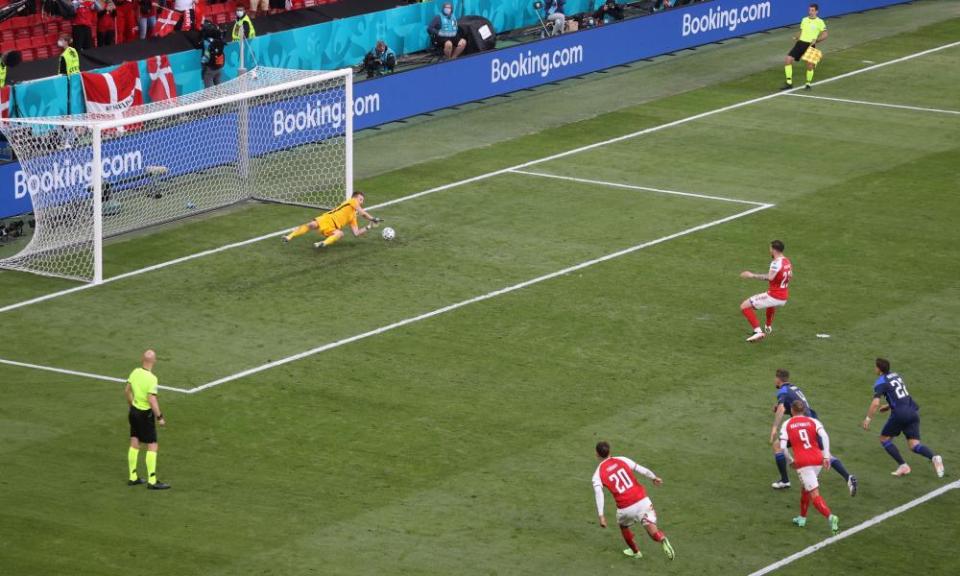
633, 505
801, 434
779, 276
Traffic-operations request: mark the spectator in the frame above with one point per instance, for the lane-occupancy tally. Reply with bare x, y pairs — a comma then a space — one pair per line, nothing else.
243, 26
126, 21
278, 6
379, 61
608, 12
106, 25
69, 59
445, 33
555, 15
187, 9
261, 6
8, 60
211, 57
147, 18
84, 23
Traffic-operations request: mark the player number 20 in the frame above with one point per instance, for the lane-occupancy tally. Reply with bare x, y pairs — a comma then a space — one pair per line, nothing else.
621, 481
805, 438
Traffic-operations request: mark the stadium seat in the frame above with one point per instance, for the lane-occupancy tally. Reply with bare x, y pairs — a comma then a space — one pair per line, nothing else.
28, 54
43, 52
6, 35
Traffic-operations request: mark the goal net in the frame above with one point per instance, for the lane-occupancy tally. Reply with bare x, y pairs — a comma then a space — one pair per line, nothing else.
271, 134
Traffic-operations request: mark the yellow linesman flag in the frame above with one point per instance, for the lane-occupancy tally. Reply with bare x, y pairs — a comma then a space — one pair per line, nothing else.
812, 55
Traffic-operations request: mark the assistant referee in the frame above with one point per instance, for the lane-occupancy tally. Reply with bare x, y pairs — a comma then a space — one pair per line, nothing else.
141, 392
812, 30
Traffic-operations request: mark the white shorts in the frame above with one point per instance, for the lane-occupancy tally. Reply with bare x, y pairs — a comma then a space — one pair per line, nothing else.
764, 300
641, 512
808, 477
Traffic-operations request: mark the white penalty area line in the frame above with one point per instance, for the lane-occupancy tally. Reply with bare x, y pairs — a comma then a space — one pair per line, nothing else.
641, 188
879, 104
79, 374
622, 138
858, 528
475, 299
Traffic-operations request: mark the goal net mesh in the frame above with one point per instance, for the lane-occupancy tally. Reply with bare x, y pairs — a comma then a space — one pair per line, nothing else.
271, 134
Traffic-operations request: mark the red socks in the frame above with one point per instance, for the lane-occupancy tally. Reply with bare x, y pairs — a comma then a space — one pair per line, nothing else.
804, 503
770, 313
628, 538
659, 536
751, 317
821, 506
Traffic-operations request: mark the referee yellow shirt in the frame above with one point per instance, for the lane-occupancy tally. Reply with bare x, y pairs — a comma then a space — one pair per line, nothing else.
143, 383
811, 28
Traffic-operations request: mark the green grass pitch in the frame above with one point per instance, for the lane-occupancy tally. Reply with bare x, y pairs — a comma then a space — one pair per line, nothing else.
462, 443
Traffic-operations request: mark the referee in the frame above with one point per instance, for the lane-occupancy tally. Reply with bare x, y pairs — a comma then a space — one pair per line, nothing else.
141, 392
812, 30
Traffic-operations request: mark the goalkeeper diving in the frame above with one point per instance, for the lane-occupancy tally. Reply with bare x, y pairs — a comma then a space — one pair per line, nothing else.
331, 223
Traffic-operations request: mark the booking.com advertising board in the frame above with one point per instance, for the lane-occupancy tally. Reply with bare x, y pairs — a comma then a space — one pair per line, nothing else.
493, 73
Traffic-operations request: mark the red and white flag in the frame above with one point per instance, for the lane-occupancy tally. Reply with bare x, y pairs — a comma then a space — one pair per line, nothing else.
162, 86
113, 93
5, 94
166, 21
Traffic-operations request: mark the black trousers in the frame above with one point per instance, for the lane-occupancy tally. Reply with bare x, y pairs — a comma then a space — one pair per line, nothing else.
82, 37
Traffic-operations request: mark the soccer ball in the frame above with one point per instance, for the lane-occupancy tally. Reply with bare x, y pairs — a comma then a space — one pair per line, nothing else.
389, 233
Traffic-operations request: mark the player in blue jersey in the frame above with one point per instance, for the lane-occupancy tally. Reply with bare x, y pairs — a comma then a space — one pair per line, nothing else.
904, 417
787, 394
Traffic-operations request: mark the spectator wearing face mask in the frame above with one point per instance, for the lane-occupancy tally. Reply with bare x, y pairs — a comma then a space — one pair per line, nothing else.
243, 27
69, 59
446, 34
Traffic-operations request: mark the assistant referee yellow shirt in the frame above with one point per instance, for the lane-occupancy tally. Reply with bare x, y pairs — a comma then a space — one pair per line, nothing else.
811, 28
143, 383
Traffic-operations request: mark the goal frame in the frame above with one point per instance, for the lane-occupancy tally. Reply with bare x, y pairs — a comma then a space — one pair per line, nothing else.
98, 127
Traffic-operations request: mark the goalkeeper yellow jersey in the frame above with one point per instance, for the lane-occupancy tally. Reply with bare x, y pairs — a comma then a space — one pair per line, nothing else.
811, 28
343, 215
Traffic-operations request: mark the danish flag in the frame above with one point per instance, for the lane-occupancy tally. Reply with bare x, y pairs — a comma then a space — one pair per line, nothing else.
162, 85
166, 21
113, 93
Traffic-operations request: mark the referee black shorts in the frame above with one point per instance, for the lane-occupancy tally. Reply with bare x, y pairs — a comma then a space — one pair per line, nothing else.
798, 50
142, 425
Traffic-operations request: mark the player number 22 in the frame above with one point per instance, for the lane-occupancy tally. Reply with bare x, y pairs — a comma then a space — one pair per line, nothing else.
899, 388
805, 437
787, 274
621, 481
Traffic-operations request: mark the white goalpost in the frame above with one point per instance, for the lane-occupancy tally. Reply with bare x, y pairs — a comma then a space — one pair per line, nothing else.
272, 135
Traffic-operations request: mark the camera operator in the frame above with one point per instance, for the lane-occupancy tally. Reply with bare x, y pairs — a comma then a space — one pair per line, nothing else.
211, 57
608, 11
379, 61
553, 13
